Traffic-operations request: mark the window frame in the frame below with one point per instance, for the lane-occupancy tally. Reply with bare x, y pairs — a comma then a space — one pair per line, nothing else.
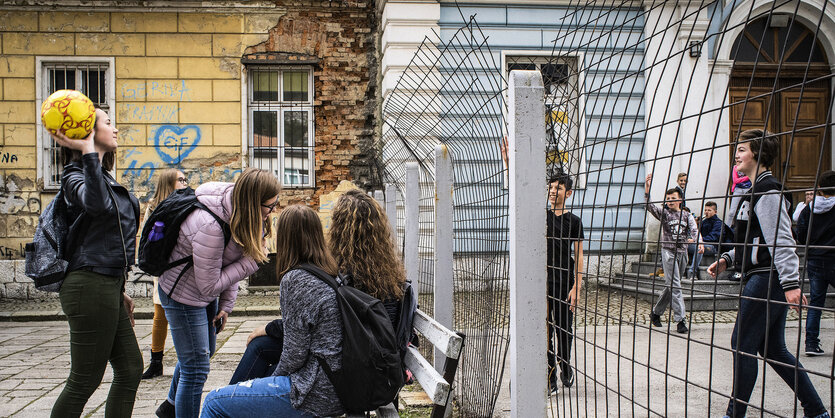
280, 107
542, 56
42, 63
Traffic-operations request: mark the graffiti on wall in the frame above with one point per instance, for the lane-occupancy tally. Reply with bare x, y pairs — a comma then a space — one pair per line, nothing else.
7, 157
156, 90
12, 253
14, 201
174, 143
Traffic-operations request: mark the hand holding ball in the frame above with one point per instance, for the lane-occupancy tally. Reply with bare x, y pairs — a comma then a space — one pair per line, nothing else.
69, 112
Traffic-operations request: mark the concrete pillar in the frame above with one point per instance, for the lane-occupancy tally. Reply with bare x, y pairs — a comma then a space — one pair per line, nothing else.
378, 196
443, 244
526, 149
391, 211
411, 235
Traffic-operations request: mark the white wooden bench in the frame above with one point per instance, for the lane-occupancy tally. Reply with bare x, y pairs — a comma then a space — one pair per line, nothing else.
437, 387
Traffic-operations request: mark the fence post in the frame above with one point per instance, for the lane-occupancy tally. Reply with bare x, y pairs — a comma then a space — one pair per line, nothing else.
411, 235
378, 196
443, 308
391, 211
527, 245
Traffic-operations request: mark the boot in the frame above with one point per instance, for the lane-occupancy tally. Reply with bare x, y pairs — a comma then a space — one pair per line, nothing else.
155, 368
166, 410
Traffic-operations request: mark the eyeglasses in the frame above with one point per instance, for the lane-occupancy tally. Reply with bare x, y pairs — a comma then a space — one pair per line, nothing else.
182, 180
270, 207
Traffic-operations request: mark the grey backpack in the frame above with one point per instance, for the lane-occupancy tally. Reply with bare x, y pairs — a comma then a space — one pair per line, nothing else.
45, 262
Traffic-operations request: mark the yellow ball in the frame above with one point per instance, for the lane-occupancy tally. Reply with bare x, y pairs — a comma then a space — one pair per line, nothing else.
70, 112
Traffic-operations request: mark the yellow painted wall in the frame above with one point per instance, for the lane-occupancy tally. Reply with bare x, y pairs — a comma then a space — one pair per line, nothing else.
177, 84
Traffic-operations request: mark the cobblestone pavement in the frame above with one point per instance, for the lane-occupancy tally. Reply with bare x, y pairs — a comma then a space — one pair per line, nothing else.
34, 363
34, 355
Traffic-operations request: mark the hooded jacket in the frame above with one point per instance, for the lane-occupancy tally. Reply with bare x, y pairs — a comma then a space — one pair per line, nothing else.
762, 225
217, 270
817, 222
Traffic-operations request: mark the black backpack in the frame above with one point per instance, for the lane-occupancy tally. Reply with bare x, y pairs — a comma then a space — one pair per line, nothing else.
46, 260
372, 372
172, 211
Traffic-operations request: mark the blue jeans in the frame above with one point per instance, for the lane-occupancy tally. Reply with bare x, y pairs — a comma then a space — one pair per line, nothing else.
252, 398
194, 338
821, 275
760, 329
260, 359
693, 250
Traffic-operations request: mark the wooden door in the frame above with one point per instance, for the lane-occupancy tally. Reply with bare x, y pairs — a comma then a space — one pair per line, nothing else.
805, 151
773, 64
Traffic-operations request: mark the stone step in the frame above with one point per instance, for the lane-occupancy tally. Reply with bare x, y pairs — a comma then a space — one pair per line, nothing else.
691, 303
699, 295
648, 267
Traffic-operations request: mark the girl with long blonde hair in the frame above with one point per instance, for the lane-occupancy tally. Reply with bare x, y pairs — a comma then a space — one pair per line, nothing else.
168, 181
197, 300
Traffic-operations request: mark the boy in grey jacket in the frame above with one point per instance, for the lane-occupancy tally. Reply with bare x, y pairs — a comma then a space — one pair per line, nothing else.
678, 228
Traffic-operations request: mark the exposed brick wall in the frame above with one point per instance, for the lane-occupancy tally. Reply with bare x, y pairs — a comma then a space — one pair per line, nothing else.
342, 37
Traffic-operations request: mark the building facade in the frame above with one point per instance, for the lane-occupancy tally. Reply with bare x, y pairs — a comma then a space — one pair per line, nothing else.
207, 87
653, 87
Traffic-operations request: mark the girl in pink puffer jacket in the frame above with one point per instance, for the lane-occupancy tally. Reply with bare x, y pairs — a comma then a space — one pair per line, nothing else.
193, 310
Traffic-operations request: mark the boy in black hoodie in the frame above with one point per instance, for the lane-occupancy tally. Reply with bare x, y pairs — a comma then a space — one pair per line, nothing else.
816, 227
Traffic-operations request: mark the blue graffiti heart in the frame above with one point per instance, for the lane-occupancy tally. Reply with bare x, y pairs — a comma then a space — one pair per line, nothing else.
174, 143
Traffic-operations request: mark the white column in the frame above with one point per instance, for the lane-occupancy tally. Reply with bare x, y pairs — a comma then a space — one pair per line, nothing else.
378, 196
443, 243
391, 211
527, 245
411, 235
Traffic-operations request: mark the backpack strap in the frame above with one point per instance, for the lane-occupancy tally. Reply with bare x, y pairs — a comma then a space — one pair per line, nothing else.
227, 231
189, 261
334, 282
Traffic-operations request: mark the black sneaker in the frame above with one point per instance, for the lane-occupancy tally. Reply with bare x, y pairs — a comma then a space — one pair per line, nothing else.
814, 351
655, 319
567, 376
553, 386
681, 328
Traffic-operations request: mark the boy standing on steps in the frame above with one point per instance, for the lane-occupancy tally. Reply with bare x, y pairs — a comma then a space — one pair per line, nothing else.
565, 277
678, 228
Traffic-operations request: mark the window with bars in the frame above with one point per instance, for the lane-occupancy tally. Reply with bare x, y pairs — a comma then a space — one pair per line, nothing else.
281, 123
560, 76
91, 78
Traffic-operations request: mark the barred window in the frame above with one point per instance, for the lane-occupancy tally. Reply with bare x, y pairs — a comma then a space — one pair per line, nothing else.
280, 109
91, 78
562, 109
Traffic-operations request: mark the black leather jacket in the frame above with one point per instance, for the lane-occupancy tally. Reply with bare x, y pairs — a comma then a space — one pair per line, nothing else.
95, 241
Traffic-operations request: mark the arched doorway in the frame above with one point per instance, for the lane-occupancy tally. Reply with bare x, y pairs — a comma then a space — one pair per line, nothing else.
775, 61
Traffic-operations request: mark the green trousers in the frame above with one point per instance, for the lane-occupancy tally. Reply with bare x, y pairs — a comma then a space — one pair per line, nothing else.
100, 332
